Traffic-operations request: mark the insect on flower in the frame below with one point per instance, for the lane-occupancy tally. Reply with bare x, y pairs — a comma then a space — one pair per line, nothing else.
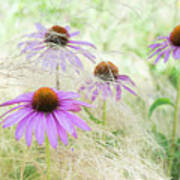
165, 45
55, 47
106, 76
45, 111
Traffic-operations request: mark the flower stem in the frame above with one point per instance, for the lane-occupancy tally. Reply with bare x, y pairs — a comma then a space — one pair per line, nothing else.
104, 113
97, 121
48, 158
176, 112
57, 77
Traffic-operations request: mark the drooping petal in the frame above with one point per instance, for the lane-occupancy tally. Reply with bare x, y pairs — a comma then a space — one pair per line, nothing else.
40, 27
22, 125
35, 35
166, 55
103, 87
77, 121
51, 130
64, 122
154, 46
29, 128
176, 53
62, 57
40, 127
17, 117
30, 55
67, 28
126, 78
12, 109
74, 33
94, 94
20, 99
162, 37
32, 46
109, 89
158, 50
118, 92
84, 52
73, 59
62, 134
20, 128
130, 90
159, 56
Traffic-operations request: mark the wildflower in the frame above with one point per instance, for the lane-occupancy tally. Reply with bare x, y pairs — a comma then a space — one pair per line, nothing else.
45, 111
55, 47
165, 45
106, 76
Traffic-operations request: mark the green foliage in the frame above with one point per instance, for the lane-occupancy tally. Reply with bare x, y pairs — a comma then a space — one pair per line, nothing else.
159, 102
173, 77
30, 173
165, 143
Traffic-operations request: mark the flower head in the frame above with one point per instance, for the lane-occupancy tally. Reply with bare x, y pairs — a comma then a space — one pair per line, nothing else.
55, 47
165, 45
106, 77
45, 111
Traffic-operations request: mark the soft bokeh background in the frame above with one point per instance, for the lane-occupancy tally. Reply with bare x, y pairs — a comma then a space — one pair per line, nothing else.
131, 146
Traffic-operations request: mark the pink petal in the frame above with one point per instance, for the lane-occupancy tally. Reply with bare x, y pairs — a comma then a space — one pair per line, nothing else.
51, 130
40, 127
118, 92
20, 99
22, 125
62, 134
176, 53
16, 117
64, 122
29, 129
77, 121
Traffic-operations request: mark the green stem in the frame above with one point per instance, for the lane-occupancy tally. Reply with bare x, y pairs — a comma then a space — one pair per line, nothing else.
97, 121
104, 113
176, 112
48, 158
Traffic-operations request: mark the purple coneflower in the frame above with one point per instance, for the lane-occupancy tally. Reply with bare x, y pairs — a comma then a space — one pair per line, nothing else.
55, 46
165, 45
45, 111
106, 76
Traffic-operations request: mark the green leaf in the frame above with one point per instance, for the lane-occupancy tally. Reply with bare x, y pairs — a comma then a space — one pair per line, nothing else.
158, 102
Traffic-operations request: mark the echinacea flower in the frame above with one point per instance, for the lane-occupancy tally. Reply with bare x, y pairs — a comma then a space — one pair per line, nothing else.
55, 46
166, 45
106, 77
45, 111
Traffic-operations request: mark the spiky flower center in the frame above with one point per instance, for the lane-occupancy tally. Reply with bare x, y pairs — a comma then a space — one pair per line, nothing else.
45, 100
57, 35
175, 36
106, 71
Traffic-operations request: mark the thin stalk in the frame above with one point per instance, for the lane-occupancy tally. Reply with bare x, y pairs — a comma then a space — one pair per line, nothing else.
23, 165
104, 113
47, 158
97, 121
176, 112
57, 77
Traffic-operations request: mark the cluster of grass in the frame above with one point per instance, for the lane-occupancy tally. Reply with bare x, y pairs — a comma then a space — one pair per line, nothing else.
131, 145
